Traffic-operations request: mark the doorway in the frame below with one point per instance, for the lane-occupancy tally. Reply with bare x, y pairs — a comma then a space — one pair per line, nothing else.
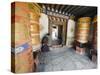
60, 34
57, 30
56, 34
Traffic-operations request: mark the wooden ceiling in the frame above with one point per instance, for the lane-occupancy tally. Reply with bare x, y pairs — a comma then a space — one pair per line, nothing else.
76, 10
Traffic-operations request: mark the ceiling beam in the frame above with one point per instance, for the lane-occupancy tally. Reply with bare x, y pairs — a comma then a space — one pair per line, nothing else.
88, 10
52, 6
67, 8
74, 10
57, 7
61, 7
81, 10
71, 9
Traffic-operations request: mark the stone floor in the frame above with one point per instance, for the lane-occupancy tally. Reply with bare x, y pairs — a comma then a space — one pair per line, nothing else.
63, 59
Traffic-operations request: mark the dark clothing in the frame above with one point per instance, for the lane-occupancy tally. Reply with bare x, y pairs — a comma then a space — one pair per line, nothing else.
45, 40
45, 47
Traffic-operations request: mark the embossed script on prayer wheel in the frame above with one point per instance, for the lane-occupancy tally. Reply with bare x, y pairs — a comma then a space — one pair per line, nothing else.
83, 29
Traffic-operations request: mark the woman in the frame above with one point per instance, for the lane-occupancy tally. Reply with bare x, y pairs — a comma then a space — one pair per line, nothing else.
45, 47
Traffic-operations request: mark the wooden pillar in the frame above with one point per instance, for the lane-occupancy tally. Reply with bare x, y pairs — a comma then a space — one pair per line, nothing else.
64, 31
95, 33
94, 40
70, 32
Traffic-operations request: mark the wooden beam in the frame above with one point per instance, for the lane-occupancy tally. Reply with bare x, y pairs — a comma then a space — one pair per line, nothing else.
80, 10
66, 9
84, 11
52, 5
57, 7
90, 12
71, 9
74, 10
61, 7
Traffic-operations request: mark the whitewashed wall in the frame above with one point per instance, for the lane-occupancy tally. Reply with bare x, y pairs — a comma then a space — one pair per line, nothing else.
70, 32
43, 25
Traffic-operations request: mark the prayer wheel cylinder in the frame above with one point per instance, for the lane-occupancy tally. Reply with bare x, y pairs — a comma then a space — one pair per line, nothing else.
21, 56
34, 16
83, 29
35, 30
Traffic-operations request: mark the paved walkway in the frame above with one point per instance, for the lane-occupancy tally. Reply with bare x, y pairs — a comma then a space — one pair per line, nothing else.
63, 59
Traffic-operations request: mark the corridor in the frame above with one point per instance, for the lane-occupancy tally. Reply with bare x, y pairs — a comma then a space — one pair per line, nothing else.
53, 37
62, 59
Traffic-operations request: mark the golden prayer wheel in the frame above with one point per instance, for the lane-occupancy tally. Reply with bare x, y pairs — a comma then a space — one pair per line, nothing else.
22, 57
83, 29
35, 28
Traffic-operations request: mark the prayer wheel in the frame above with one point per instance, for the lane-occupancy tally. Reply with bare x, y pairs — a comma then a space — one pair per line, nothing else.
82, 34
83, 29
35, 30
21, 56
34, 16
